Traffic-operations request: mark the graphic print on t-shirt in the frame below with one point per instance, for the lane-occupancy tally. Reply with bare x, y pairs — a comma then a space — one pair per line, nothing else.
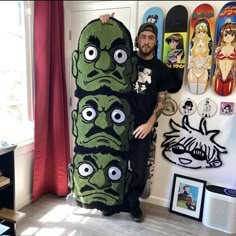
144, 78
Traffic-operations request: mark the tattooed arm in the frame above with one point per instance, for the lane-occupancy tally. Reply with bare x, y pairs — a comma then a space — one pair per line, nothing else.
143, 130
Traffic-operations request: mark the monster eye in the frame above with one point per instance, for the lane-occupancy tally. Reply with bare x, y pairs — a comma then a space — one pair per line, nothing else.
88, 113
118, 116
91, 53
120, 56
85, 169
114, 173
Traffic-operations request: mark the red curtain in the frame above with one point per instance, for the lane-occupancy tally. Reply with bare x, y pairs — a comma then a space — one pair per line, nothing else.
52, 154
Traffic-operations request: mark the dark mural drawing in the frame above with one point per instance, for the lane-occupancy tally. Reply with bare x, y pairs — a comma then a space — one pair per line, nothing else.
190, 147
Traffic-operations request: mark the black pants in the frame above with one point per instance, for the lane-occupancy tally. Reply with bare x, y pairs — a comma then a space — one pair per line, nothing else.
138, 162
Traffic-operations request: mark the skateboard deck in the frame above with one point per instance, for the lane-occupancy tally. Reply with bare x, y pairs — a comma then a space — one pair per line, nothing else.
201, 37
155, 15
224, 76
175, 38
151, 164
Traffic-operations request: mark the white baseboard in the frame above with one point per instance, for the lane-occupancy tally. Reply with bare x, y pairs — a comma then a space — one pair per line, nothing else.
152, 199
157, 201
24, 202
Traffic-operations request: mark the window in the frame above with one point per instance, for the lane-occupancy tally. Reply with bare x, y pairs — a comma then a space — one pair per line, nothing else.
16, 95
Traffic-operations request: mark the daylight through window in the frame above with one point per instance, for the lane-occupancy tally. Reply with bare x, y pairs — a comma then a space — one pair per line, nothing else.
16, 121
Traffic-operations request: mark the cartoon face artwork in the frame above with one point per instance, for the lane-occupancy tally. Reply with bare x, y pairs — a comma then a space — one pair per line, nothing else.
187, 106
171, 107
103, 61
99, 178
226, 108
103, 121
190, 147
176, 48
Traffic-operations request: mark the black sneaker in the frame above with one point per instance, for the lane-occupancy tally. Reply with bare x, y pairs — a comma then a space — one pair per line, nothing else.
137, 214
108, 213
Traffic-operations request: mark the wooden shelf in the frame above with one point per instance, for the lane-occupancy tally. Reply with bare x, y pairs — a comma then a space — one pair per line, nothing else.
8, 215
11, 215
7, 149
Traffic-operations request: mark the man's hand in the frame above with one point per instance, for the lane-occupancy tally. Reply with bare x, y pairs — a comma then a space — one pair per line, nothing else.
105, 18
142, 131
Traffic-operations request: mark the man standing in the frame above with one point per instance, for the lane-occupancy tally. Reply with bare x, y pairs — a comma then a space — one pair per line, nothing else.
148, 100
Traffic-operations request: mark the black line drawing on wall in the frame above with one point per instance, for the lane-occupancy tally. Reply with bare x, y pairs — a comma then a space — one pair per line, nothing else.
190, 147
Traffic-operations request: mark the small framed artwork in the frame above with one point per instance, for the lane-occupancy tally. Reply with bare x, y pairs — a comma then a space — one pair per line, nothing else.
207, 108
187, 106
187, 196
170, 107
226, 108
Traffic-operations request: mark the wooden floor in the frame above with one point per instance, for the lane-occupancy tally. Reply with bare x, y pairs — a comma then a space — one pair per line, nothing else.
51, 216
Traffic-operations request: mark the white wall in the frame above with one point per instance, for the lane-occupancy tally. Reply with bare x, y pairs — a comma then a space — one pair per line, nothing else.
24, 157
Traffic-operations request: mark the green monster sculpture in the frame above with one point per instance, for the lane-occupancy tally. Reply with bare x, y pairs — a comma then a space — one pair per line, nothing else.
104, 58
104, 68
99, 180
103, 121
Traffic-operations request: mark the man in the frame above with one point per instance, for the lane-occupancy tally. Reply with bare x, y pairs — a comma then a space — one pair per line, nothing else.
148, 98
186, 191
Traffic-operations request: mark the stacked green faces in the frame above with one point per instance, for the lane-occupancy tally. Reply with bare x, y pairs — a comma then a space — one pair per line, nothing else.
104, 68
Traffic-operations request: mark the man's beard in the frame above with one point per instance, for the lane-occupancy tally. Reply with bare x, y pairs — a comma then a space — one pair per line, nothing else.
146, 50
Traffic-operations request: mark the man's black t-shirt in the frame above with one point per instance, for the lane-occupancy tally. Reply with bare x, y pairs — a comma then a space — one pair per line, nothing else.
153, 76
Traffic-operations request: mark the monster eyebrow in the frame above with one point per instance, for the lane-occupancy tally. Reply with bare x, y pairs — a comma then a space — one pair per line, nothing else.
94, 40
113, 163
90, 159
116, 105
118, 42
92, 104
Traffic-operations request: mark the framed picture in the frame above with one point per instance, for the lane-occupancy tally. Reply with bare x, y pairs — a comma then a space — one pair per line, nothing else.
207, 108
170, 107
226, 108
187, 196
187, 106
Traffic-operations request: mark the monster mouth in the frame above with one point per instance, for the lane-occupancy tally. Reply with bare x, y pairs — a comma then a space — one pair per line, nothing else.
185, 161
102, 139
106, 79
100, 196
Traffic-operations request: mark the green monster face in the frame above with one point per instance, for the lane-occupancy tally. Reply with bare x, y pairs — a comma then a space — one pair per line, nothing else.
103, 121
104, 60
99, 178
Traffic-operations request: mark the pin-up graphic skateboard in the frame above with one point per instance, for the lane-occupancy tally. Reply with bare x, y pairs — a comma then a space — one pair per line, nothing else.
224, 75
201, 36
175, 38
155, 15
